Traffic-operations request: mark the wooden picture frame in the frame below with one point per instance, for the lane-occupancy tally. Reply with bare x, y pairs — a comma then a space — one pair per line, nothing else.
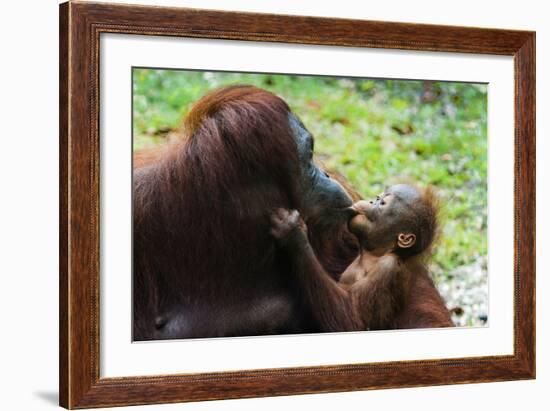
80, 27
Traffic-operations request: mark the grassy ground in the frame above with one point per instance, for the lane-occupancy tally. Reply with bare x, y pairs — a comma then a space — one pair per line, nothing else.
374, 132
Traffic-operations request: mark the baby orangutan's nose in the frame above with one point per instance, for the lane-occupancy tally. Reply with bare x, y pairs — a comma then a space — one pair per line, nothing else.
362, 206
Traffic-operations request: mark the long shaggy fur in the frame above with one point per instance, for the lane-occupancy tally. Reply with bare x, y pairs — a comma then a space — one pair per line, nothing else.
200, 220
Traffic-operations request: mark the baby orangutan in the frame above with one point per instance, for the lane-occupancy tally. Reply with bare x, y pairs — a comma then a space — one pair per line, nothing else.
394, 231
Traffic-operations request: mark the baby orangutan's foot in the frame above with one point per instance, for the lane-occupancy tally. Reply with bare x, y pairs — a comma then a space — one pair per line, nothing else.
286, 224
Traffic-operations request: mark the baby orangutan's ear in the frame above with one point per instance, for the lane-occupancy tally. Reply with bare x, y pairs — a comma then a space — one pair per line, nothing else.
406, 240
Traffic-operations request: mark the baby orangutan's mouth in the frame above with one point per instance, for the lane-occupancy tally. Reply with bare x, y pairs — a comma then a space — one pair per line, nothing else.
350, 212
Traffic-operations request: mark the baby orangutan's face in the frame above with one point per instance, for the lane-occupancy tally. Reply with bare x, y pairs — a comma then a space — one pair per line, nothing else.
380, 221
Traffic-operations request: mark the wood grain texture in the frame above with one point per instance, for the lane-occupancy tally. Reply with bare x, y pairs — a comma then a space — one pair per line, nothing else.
63, 204
300, 29
80, 27
525, 203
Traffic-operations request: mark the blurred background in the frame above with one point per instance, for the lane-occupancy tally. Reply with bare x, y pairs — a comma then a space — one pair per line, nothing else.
376, 133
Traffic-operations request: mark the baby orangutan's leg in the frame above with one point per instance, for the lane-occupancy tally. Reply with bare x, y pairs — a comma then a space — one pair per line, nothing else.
379, 297
329, 302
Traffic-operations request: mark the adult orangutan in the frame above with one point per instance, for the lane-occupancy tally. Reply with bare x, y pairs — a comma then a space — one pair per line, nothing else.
205, 264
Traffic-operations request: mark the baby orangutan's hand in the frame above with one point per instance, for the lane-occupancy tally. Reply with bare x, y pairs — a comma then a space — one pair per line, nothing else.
287, 225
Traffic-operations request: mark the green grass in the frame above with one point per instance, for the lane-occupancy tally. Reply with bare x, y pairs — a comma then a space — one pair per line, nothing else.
375, 132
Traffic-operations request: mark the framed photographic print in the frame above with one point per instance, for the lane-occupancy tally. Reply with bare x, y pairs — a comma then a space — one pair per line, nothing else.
257, 205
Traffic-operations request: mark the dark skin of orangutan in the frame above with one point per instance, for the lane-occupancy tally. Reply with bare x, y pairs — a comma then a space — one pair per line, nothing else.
375, 291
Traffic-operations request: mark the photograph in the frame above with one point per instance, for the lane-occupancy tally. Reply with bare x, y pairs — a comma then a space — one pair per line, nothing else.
268, 204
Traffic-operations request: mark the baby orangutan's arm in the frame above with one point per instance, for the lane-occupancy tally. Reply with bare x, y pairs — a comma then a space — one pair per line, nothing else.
329, 302
379, 297
372, 303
